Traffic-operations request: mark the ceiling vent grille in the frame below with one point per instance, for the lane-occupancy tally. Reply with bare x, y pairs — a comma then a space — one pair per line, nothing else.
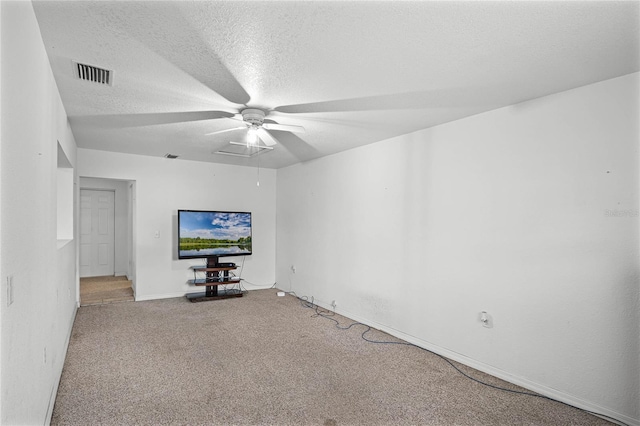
93, 74
239, 149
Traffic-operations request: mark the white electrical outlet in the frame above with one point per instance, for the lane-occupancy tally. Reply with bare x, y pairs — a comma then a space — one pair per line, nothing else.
333, 304
44, 357
293, 268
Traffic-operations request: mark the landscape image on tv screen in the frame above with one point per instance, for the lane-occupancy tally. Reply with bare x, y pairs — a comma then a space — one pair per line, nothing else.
209, 233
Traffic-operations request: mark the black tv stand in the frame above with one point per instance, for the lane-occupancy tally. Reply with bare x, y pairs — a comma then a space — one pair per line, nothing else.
214, 275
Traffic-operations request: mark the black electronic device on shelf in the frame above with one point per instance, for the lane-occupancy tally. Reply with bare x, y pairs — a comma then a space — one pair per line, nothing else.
211, 276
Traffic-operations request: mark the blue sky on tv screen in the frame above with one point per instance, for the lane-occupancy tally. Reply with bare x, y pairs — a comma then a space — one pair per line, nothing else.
215, 225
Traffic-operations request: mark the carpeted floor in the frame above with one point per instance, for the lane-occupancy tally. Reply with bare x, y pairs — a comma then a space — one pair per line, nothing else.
108, 289
266, 360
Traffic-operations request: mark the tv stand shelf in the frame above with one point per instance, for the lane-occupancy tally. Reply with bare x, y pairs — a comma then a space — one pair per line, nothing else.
214, 276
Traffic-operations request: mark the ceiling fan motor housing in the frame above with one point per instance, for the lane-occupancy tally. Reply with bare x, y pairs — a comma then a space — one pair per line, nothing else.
253, 116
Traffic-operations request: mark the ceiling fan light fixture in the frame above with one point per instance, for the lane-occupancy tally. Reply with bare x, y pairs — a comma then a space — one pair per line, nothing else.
257, 130
253, 116
252, 136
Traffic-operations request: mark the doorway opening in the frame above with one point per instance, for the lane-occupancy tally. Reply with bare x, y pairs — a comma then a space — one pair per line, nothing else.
106, 241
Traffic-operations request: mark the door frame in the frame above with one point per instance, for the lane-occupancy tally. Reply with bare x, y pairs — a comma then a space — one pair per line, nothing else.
106, 184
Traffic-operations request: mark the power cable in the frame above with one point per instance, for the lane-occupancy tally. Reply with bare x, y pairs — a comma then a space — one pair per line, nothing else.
304, 300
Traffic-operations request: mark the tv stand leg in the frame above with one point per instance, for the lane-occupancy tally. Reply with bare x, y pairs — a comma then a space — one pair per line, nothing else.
212, 290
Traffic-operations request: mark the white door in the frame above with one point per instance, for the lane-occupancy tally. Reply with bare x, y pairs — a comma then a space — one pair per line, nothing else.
97, 233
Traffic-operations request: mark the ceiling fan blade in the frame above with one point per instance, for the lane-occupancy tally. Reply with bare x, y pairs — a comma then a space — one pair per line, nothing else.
285, 127
297, 147
450, 97
225, 130
266, 137
170, 18
146, 119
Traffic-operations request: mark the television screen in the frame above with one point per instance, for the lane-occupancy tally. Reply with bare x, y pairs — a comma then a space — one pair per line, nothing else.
204, 234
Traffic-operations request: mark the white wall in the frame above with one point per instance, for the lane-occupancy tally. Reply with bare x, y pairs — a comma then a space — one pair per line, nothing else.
529, 212
164, 186
36, 327
121, 218
3, 290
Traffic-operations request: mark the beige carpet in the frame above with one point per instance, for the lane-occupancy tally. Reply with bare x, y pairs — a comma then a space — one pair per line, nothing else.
109, 289
267, 360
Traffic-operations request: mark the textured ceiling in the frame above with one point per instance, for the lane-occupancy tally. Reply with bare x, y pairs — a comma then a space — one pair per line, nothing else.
351, 73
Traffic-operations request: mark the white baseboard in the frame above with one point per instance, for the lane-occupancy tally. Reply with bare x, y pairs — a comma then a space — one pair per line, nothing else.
54, 390
182, 294
485, 368
165, 295
516, 380
161, 296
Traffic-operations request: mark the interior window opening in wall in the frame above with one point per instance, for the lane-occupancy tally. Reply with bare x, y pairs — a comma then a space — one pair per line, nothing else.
64, 182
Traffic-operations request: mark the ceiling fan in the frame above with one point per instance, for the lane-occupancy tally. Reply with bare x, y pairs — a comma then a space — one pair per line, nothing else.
257, 129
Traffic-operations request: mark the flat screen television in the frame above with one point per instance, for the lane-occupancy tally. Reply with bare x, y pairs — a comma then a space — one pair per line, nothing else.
213, 234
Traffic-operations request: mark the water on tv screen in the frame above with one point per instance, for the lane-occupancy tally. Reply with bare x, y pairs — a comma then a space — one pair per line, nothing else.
213, 233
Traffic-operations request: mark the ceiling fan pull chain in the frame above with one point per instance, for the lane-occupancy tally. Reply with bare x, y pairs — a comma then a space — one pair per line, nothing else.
258, 183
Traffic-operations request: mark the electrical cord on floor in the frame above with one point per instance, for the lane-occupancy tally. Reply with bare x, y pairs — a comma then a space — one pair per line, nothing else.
259, 285
232, 287
245, 291
304, 301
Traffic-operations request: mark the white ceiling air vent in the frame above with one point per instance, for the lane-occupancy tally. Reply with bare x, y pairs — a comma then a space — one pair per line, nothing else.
171, 156
238, 149
93, 74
